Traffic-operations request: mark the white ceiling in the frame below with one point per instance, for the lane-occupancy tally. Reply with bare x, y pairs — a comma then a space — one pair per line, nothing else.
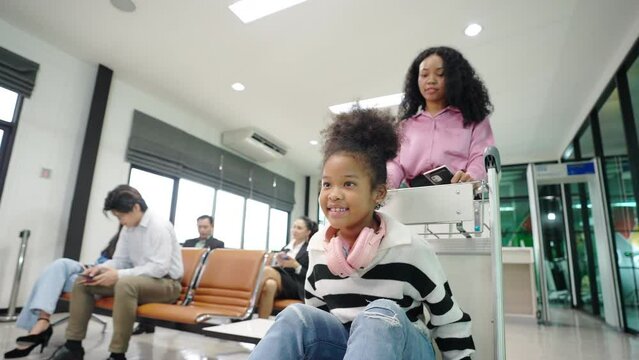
544, 61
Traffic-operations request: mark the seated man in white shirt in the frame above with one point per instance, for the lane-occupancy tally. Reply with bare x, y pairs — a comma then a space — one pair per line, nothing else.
146, 267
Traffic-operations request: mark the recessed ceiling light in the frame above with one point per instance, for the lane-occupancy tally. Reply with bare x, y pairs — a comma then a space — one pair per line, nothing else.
250, 10
238, 86
123, 5
313, 142
378, 102
472, 30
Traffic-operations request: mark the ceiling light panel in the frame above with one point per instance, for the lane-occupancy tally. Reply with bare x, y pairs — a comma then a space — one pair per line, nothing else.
473, 30
250, 10
238, 86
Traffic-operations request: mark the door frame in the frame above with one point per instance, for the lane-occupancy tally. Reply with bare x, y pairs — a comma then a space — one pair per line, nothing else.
588, 173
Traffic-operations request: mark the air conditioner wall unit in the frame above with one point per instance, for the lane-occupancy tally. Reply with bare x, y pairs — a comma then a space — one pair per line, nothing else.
254, 144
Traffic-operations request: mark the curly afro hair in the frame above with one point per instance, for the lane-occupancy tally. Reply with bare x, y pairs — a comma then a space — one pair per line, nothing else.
464, 88
369, 135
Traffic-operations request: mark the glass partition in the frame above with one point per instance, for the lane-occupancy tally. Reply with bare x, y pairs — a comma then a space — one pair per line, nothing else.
622, 204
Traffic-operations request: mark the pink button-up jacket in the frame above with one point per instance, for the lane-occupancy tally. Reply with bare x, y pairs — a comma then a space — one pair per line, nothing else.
429, 141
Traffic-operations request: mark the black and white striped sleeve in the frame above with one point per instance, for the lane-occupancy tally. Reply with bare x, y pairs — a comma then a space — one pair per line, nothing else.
311, 297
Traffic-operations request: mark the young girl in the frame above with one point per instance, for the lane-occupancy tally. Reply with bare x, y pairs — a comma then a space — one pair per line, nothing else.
445, 122
368, 277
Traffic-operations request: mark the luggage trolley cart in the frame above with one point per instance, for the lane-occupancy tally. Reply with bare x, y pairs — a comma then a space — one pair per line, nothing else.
466, 235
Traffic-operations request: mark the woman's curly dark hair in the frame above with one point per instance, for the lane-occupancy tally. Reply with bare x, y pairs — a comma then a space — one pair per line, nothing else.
464, 88
369, 135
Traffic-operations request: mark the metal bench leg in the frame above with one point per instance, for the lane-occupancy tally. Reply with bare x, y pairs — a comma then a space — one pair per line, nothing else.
100, 321
58, 322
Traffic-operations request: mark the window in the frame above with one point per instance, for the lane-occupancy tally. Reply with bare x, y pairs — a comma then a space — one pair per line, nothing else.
569, 153
239, 222
157, 190
617, 148
586, 144
278, 229
622, 200
255, 225
229, 215
633, 84
515, 207
193, 201
320, 216
10, 103
611, 127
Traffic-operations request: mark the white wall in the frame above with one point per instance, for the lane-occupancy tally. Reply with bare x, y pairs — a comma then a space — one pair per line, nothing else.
50, 132
112, 169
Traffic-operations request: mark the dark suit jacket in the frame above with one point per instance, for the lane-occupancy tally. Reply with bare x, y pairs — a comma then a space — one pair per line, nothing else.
302, 258
211, 243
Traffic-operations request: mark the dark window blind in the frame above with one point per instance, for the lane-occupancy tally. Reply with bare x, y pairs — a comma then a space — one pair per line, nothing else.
158, 146
17, 73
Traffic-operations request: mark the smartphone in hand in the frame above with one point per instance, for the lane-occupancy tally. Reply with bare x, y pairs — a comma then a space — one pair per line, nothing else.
87, 278
439, 175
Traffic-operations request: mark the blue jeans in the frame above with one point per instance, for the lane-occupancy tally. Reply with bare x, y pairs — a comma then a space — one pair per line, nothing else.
55, 279
381, 331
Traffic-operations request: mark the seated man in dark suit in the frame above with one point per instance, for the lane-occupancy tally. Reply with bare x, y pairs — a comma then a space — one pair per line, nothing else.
206, 239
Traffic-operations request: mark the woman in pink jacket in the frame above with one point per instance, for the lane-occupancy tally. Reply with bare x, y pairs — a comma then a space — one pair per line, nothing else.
444, 119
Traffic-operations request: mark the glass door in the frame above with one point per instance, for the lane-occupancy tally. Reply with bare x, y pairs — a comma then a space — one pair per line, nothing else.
555, 259
584, 249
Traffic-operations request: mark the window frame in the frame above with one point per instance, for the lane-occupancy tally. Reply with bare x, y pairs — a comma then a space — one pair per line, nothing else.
175, 187
174, 196
9, 134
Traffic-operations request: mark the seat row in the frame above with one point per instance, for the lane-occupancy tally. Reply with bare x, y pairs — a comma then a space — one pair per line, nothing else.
217, 284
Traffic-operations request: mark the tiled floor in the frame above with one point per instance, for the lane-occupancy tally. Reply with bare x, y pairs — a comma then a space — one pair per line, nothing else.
165, 344
573, 335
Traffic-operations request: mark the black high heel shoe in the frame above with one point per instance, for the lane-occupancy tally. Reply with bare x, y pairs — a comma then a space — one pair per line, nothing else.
32, 341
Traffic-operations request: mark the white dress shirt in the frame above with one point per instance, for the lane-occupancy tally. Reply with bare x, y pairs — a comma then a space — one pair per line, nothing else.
150, 248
